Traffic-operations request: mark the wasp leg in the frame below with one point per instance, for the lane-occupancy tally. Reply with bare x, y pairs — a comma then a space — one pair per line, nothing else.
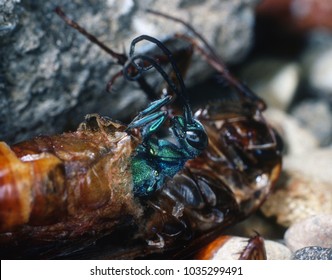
149, 119
154, 106
150, 124
255, 249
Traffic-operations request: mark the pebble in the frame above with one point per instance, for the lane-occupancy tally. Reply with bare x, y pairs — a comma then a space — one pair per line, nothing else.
297, 138
320, 113
276, 84
234, 245
316, 164
297, 197
304, 188
313, 253
321, 72
313, 231
277, 251
316, 64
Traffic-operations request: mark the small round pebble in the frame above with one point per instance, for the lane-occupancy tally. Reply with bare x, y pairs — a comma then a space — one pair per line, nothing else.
321, 72
314, 231
277, 251
320, 113
276, 84
313, 253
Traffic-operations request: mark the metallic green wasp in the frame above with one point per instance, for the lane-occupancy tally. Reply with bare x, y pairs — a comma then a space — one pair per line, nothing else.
157, 159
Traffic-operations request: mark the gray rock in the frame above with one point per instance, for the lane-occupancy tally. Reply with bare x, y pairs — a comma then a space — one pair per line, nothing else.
274, 80
321, 72
314, 231
51, 76
297, 138
317, 63
316, 116
313, 253
8, 18
316, 164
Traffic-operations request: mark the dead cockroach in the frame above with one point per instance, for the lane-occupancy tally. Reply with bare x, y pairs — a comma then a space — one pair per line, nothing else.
75, 195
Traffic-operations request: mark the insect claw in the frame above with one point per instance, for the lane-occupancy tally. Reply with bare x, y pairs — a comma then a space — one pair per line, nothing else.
156, 119
109, 86
159, 244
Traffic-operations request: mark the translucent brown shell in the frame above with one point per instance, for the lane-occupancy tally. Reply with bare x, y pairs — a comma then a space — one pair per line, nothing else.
60, 186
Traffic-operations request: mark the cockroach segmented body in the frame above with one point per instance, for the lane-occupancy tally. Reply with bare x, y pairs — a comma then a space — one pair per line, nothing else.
137, 195
60, 181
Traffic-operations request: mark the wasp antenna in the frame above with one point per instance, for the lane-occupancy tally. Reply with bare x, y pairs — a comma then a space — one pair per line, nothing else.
166, 51
121, 58
180, 92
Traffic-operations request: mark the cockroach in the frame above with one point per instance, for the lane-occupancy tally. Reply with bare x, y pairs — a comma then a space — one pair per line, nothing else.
109, 190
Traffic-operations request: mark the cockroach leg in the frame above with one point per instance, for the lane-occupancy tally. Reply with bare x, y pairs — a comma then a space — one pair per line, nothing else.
216, 62
255, 249
121, 59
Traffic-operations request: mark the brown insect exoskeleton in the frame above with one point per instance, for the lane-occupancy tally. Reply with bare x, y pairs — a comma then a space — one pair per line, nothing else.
71, 195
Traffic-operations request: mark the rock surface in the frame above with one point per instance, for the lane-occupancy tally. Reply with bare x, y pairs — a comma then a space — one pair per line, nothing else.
316, 163
313, 253
297, 138
317, 63
319, 110
304, 189
298, 199
314, 231
274, 80
51, 76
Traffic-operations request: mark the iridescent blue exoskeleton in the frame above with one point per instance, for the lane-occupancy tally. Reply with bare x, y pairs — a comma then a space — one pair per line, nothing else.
156, 159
